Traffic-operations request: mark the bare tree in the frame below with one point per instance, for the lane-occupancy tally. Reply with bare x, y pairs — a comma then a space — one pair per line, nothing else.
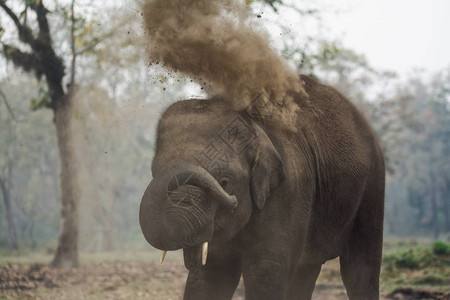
43, 61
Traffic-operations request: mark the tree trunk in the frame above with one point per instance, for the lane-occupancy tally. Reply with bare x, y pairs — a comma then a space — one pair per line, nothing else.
12, 233
434, 212
446, 207
66, 255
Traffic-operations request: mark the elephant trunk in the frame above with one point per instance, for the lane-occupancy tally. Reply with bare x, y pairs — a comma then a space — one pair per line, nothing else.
178, 207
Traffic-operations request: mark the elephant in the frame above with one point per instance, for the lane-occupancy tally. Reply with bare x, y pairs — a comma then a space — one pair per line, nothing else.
241, 196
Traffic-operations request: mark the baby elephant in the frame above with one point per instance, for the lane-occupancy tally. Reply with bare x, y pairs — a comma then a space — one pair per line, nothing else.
241, 196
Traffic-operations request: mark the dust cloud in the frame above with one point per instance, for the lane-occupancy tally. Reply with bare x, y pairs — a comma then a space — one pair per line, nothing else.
219, 43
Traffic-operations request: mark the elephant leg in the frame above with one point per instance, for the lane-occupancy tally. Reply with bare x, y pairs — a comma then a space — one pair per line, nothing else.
218, 279
265, 278
303, 282
360, 260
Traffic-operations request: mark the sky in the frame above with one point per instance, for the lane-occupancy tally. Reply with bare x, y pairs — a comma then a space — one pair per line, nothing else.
397, 35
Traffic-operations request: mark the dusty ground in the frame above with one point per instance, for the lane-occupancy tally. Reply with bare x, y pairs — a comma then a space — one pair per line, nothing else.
125, 278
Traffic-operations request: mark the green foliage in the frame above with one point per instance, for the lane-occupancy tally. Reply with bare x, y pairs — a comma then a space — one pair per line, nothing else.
431, 279
441, 248
404, 259
418, 257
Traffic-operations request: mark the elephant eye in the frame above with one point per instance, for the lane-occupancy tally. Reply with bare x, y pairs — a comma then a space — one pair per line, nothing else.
223, 182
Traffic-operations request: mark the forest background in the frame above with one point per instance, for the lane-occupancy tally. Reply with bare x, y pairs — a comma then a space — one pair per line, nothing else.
92, 55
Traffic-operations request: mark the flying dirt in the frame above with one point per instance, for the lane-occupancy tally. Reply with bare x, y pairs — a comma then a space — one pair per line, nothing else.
220, 42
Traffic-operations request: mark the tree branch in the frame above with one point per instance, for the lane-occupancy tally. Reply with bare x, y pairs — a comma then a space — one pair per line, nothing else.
74, 53
41, 15
302, 12
51, 64
27, 61
7, 105
25, 34
96, 42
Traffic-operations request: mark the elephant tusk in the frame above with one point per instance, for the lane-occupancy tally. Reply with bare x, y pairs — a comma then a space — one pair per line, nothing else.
163, 255
204, 253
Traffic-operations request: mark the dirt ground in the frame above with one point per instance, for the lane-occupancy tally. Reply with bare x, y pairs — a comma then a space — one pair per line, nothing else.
124, 280
128, 279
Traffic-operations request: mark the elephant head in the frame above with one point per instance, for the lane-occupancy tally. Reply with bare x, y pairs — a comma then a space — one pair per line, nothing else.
212, 168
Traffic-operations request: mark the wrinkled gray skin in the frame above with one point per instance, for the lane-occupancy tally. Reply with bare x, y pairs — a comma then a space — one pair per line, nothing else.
303, 198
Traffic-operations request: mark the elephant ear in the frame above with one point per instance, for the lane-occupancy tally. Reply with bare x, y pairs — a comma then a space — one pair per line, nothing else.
267, 170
